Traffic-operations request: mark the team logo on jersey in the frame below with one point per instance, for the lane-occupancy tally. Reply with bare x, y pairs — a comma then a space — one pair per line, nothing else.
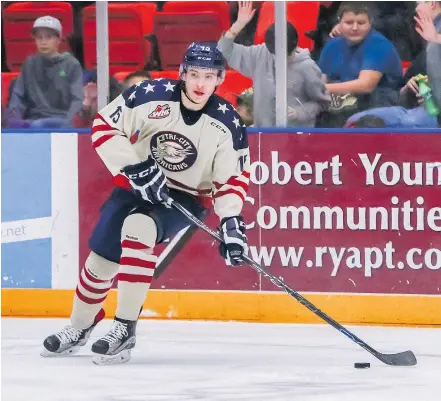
160, 112
173, 151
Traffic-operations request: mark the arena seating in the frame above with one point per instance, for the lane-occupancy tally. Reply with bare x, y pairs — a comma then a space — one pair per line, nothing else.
220, 8
175, 32
302, 14
7, 77
138, 33
129, 24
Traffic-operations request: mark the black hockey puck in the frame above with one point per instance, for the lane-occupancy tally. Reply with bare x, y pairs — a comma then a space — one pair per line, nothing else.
362, 365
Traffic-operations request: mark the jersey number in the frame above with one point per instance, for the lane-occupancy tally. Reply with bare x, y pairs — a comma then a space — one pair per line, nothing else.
116, 114
242, 160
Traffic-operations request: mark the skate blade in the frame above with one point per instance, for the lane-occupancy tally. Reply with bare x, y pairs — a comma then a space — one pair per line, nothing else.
48, 354
122, 357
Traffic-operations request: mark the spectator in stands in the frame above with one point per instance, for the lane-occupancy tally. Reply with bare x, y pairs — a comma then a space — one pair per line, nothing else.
429, 27
49, 90
84, 118
362, 68
135, 77
412, 113
244, 106
307, 94
398, 116
394, 19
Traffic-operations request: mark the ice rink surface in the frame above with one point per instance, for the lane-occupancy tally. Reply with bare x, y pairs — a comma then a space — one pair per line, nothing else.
178, 360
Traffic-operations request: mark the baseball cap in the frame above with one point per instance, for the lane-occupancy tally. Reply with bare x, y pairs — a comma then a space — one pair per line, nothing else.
247, 97
47, 22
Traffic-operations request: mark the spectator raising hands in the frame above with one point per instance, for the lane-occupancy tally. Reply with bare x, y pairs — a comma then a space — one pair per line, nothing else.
84, 118
244, 15
307, 94
90, 96
429, 27
426, 27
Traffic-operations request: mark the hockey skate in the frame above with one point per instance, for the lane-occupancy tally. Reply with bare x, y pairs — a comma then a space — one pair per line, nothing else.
69, 340
115, 347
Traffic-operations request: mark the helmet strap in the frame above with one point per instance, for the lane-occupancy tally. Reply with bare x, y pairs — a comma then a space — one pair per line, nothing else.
184, 89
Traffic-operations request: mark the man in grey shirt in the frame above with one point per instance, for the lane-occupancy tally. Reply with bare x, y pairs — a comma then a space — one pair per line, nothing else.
49, 90
307, 94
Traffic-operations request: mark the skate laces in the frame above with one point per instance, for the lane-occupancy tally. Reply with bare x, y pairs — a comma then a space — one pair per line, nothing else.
117, 332
69, 334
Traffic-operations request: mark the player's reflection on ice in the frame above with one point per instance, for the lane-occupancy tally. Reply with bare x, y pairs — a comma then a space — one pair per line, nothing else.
179, 360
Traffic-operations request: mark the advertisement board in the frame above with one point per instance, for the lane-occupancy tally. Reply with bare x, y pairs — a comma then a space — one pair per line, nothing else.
356, 213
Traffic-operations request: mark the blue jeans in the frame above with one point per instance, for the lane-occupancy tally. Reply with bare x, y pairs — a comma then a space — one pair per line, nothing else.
49, 122
399, 117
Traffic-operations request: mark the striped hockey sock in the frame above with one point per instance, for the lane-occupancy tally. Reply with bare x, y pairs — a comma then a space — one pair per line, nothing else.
137, 266
92, 290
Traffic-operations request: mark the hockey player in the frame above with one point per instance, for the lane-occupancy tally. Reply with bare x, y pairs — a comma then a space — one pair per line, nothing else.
190, 145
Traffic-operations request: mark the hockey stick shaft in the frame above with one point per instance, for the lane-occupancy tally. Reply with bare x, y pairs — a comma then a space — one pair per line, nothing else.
175, 246
406, 358
172, 249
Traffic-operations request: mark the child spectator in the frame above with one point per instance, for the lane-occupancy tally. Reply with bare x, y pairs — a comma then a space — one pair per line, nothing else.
135, 77
84, 118
307, 94
244, 106
361, 62
394, 19
49, 91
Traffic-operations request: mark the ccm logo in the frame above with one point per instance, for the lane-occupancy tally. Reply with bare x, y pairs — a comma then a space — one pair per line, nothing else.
143, 174
218, 127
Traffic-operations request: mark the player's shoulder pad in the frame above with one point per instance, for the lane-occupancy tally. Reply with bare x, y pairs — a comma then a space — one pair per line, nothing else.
223, 111
152, 90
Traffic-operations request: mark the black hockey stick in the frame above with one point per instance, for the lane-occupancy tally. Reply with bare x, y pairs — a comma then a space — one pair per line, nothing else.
176, 245
406, 358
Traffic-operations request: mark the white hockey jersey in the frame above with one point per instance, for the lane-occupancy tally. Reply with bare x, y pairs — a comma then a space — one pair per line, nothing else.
209, 158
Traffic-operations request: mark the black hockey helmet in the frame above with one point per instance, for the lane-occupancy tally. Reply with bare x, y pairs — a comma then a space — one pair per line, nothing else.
203, 55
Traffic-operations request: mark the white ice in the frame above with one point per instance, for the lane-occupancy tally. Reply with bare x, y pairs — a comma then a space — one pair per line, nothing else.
178, 360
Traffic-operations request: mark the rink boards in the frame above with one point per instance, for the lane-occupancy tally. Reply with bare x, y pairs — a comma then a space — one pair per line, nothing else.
352, 220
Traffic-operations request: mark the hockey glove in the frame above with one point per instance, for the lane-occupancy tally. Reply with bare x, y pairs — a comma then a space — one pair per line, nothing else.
235, 244
147, 180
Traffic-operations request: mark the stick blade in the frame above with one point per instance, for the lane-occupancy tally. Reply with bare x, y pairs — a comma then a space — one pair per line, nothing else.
406, 358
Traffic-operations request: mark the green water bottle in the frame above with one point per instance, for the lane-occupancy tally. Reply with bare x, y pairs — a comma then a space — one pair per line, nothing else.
426, 93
